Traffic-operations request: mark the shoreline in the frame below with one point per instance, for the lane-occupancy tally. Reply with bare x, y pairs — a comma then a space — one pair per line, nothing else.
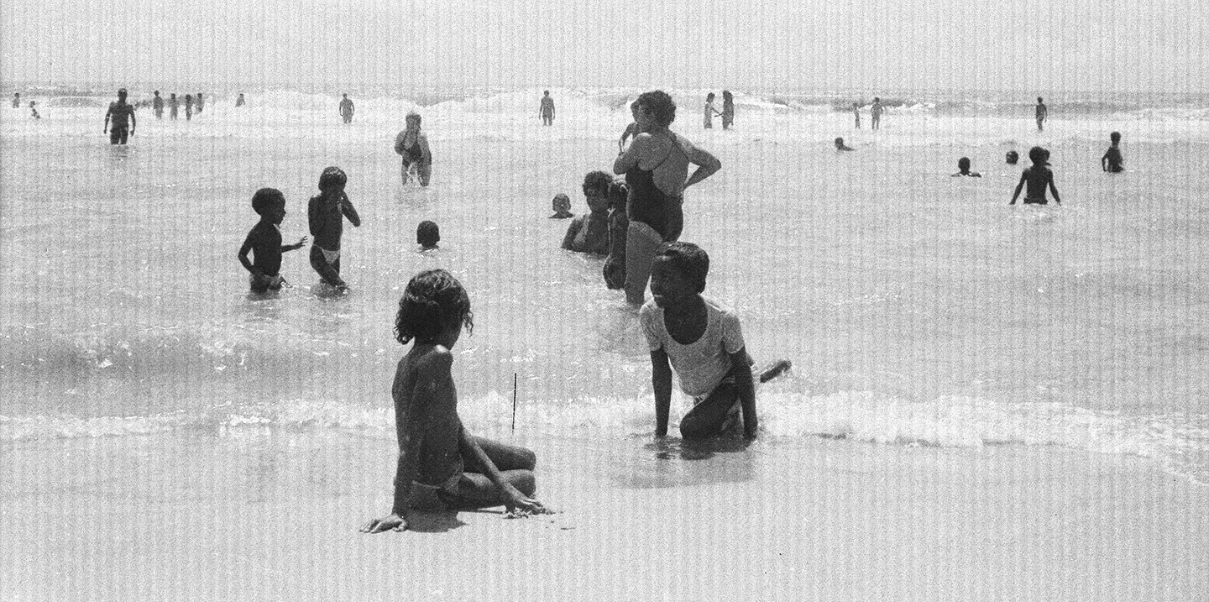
269, 514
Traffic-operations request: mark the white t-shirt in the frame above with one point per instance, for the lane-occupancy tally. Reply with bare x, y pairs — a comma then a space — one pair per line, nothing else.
702, 364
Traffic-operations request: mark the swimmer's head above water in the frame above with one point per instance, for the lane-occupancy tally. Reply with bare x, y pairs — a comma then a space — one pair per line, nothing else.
561, 203
1012, 157
428, 234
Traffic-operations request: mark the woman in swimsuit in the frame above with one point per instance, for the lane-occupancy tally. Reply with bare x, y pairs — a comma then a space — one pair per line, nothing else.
656, 172
412, 145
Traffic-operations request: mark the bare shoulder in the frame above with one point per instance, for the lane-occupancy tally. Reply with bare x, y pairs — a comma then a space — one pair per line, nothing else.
430, 361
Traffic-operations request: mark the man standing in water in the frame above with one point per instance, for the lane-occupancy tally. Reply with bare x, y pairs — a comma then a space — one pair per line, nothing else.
119, 111
876, 112
1042, 114
547, 109
346, 109
157, 104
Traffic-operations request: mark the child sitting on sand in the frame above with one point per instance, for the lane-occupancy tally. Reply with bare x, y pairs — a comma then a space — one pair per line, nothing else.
327, 212
619, 223
840, 146
963, 169
590, 233
441, 465
264, 241
702, 340
561, 206
1112, 161
428, 235
1038, 177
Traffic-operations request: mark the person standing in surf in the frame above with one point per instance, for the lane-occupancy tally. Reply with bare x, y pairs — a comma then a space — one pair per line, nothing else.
710, 111
346, 109
1038, 178
1112, 161
728, 110
173, 106
412, 145
120, 112
326, 213
157, 105
546, 109
875, 123
856, 113
656, 167
1042, 114
188, 107
264, 242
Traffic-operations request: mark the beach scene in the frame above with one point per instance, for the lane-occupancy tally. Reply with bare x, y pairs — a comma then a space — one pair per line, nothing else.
986, 401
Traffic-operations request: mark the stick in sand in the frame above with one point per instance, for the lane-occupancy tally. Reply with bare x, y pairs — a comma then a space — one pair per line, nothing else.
514, 403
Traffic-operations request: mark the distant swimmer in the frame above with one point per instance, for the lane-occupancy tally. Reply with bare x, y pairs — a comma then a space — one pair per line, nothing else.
840, 146
876, 111
589, 233
1038, 178
546, 110
326, 213
703, 342
157, 105
346, 109
631, 130
656, 173
239, 102
1112, 161
120, 112
16, 100
264, 242
188, 107
33, 112
428, 234
201, 104
856, 113
173, 105
728, 110
1042, 113
1012, 157
963, 169
561, 204
412, 145
710, 111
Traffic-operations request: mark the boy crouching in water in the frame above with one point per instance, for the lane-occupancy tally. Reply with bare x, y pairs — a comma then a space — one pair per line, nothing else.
441, 465
702, 340
264, 241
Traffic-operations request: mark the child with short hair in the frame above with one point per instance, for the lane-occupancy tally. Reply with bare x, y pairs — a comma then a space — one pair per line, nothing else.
963, 169
1038, 177
326, 213
428, 235
441, 465
1112, 161
589, 233
619, 223
561, 206
702, 340
264, 241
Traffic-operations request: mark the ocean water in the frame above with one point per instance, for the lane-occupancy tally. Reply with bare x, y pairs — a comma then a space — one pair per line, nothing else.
918, 309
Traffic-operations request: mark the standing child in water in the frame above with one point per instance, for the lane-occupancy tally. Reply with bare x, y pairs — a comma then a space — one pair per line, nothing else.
188, 107
441, 466
173, 106
1042, 114
856, 113
710, 111
1112, 161
326, 213
1037, 177
728, 110
264, 241
963, 169
876, 112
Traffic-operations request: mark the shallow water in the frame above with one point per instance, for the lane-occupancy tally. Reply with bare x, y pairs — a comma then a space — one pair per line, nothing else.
917, 308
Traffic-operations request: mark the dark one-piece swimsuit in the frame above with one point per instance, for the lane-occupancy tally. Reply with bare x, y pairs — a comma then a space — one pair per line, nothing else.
650, 205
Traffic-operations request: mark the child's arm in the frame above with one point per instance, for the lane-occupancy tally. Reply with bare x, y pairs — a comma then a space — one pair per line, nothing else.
572, 230
294, 247
707, 163
661, 382
1053, 188
243, 256
346, 207
425, 153
746, 390
1019, 186
313, 217
514, 500
628, 158
410, 435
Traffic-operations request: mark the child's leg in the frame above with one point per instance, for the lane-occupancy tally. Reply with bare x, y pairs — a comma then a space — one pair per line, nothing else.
506, 457
325, 269
475, 490
706, 418
641, 243
423, 172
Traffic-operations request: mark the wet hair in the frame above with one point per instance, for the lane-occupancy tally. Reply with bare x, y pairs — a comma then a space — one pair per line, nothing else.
566, 201
659, 105
963, 163
1037, 154
1012, 157
688, 259
433, 301
267, 198
428, 233
332, 177
618, 194
1115, 137
413, 115
597, 180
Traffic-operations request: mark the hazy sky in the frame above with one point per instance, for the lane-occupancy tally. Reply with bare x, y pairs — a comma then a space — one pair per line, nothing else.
1028, 45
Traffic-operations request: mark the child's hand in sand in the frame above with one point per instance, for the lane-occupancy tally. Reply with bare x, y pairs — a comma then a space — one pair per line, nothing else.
519, 504
378, 525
